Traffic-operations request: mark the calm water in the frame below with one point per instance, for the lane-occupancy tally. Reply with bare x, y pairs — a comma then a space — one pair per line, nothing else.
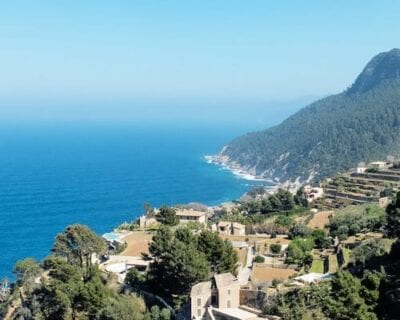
101, 176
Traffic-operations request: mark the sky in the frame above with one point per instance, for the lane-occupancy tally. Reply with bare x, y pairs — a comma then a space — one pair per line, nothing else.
121, 60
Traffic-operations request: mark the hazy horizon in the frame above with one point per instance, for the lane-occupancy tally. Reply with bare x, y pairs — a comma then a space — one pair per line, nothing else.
177, 61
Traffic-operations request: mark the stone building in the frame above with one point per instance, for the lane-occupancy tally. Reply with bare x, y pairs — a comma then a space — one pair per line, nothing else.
222, 292
190, 215
231, 228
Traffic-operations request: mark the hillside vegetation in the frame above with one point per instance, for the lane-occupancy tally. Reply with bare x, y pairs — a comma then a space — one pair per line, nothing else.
332, 134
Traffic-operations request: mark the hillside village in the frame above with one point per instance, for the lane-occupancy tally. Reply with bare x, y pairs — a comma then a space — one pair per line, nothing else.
261, 257
279, 250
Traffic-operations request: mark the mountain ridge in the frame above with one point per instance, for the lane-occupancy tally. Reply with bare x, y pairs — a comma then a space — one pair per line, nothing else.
332, 134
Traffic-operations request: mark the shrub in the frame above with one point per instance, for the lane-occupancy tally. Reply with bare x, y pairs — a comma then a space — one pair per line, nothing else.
321, 239
259, 259
275, 282
299, 230
275, 248
354, 228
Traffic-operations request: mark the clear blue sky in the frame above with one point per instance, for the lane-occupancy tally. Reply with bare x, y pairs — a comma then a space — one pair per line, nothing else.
217, 54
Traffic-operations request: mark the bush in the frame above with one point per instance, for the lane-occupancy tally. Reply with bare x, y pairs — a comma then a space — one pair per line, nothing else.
299, 230
134, 278
298, 251
353, 219
354, 229
275, 248
275, 282
321, 239
259, 259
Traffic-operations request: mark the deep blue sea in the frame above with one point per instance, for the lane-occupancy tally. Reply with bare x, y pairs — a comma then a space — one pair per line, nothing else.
52, 176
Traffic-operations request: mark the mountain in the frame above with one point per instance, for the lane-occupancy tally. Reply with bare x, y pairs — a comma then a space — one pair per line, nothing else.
335, 133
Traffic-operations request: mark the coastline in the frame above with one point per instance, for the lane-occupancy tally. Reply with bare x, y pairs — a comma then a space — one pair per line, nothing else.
225, 163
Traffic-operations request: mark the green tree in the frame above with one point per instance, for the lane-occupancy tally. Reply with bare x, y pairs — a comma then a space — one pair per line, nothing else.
77, 244
286, 199
295, 254
56, 304
26, 271
370, 288
392, 227
157, 314
167, 216
298, 251
321, 239
300, 198
161, 242
119, 308
220, 253
134, 278
186, 235
346, 302
176, 265
298, 230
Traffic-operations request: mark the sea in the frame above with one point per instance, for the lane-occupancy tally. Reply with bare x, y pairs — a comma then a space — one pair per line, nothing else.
102, 175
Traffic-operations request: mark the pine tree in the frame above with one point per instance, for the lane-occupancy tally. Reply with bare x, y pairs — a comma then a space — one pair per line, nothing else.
392, 227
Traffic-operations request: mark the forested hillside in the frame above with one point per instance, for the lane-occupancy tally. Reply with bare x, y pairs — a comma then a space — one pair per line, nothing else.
332, 134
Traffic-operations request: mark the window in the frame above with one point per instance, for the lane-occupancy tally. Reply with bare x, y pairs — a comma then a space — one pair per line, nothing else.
199, 302
199, 312
229, 291
229, 303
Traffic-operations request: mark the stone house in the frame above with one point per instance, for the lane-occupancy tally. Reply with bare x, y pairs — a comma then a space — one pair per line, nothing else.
222, 292
313, 193
187, 215
231, 228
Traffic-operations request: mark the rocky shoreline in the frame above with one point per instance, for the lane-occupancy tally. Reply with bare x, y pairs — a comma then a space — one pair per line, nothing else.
227, 163
235, 168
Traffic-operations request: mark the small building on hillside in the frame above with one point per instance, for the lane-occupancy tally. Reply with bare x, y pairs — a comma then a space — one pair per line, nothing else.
383, 202
146, 221
219, 294
119, 265
238, 229
361, 169
313, 193
224, 227
189, 215
231, 228
379, 165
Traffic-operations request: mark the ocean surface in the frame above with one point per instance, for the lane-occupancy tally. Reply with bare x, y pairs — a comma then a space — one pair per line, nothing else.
53, 176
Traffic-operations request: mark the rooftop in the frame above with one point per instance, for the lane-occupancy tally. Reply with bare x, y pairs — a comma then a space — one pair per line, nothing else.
378, 162
224, 224
224, 280
190, 213
237, 313
201, 288
238, 225
129, 260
